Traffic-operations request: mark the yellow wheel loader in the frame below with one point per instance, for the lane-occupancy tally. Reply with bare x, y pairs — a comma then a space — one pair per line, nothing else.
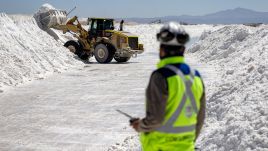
100, 40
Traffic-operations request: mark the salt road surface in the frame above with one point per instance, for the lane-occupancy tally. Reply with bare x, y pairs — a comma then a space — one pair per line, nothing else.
76, 110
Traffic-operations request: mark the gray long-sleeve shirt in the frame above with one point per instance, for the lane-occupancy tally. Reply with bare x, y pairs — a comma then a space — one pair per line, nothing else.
156, 99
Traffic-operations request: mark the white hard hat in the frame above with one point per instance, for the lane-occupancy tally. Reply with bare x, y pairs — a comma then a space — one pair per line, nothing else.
172, 34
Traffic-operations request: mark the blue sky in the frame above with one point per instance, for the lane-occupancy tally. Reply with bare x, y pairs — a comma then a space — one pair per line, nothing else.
133, 8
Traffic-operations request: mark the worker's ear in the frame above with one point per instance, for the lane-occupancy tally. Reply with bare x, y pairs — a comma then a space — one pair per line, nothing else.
161, 52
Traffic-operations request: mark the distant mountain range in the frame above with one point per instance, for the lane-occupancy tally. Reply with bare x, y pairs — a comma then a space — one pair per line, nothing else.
230, 16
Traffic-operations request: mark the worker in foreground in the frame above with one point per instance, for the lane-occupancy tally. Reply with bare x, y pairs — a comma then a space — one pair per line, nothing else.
175, 98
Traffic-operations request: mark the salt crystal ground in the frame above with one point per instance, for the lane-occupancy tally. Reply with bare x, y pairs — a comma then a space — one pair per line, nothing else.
74, 107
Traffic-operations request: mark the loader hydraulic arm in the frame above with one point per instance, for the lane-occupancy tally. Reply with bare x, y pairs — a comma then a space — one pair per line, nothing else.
77, 29
72, 20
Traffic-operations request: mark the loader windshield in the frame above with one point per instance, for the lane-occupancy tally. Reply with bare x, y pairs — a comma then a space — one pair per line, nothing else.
98, 25
108, 25
101, 24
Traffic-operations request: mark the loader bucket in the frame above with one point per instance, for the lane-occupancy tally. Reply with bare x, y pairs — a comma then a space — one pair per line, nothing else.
50, 17
53, 17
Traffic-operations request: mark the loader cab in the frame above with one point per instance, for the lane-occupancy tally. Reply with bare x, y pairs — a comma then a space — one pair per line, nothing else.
99, 25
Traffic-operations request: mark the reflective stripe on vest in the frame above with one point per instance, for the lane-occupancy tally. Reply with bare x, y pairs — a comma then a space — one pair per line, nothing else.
168, 126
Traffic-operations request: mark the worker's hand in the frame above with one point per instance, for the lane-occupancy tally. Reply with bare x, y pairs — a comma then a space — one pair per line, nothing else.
135, 123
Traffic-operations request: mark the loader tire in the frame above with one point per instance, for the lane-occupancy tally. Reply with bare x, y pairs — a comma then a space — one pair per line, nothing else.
75, 48
122, 59
103, 54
